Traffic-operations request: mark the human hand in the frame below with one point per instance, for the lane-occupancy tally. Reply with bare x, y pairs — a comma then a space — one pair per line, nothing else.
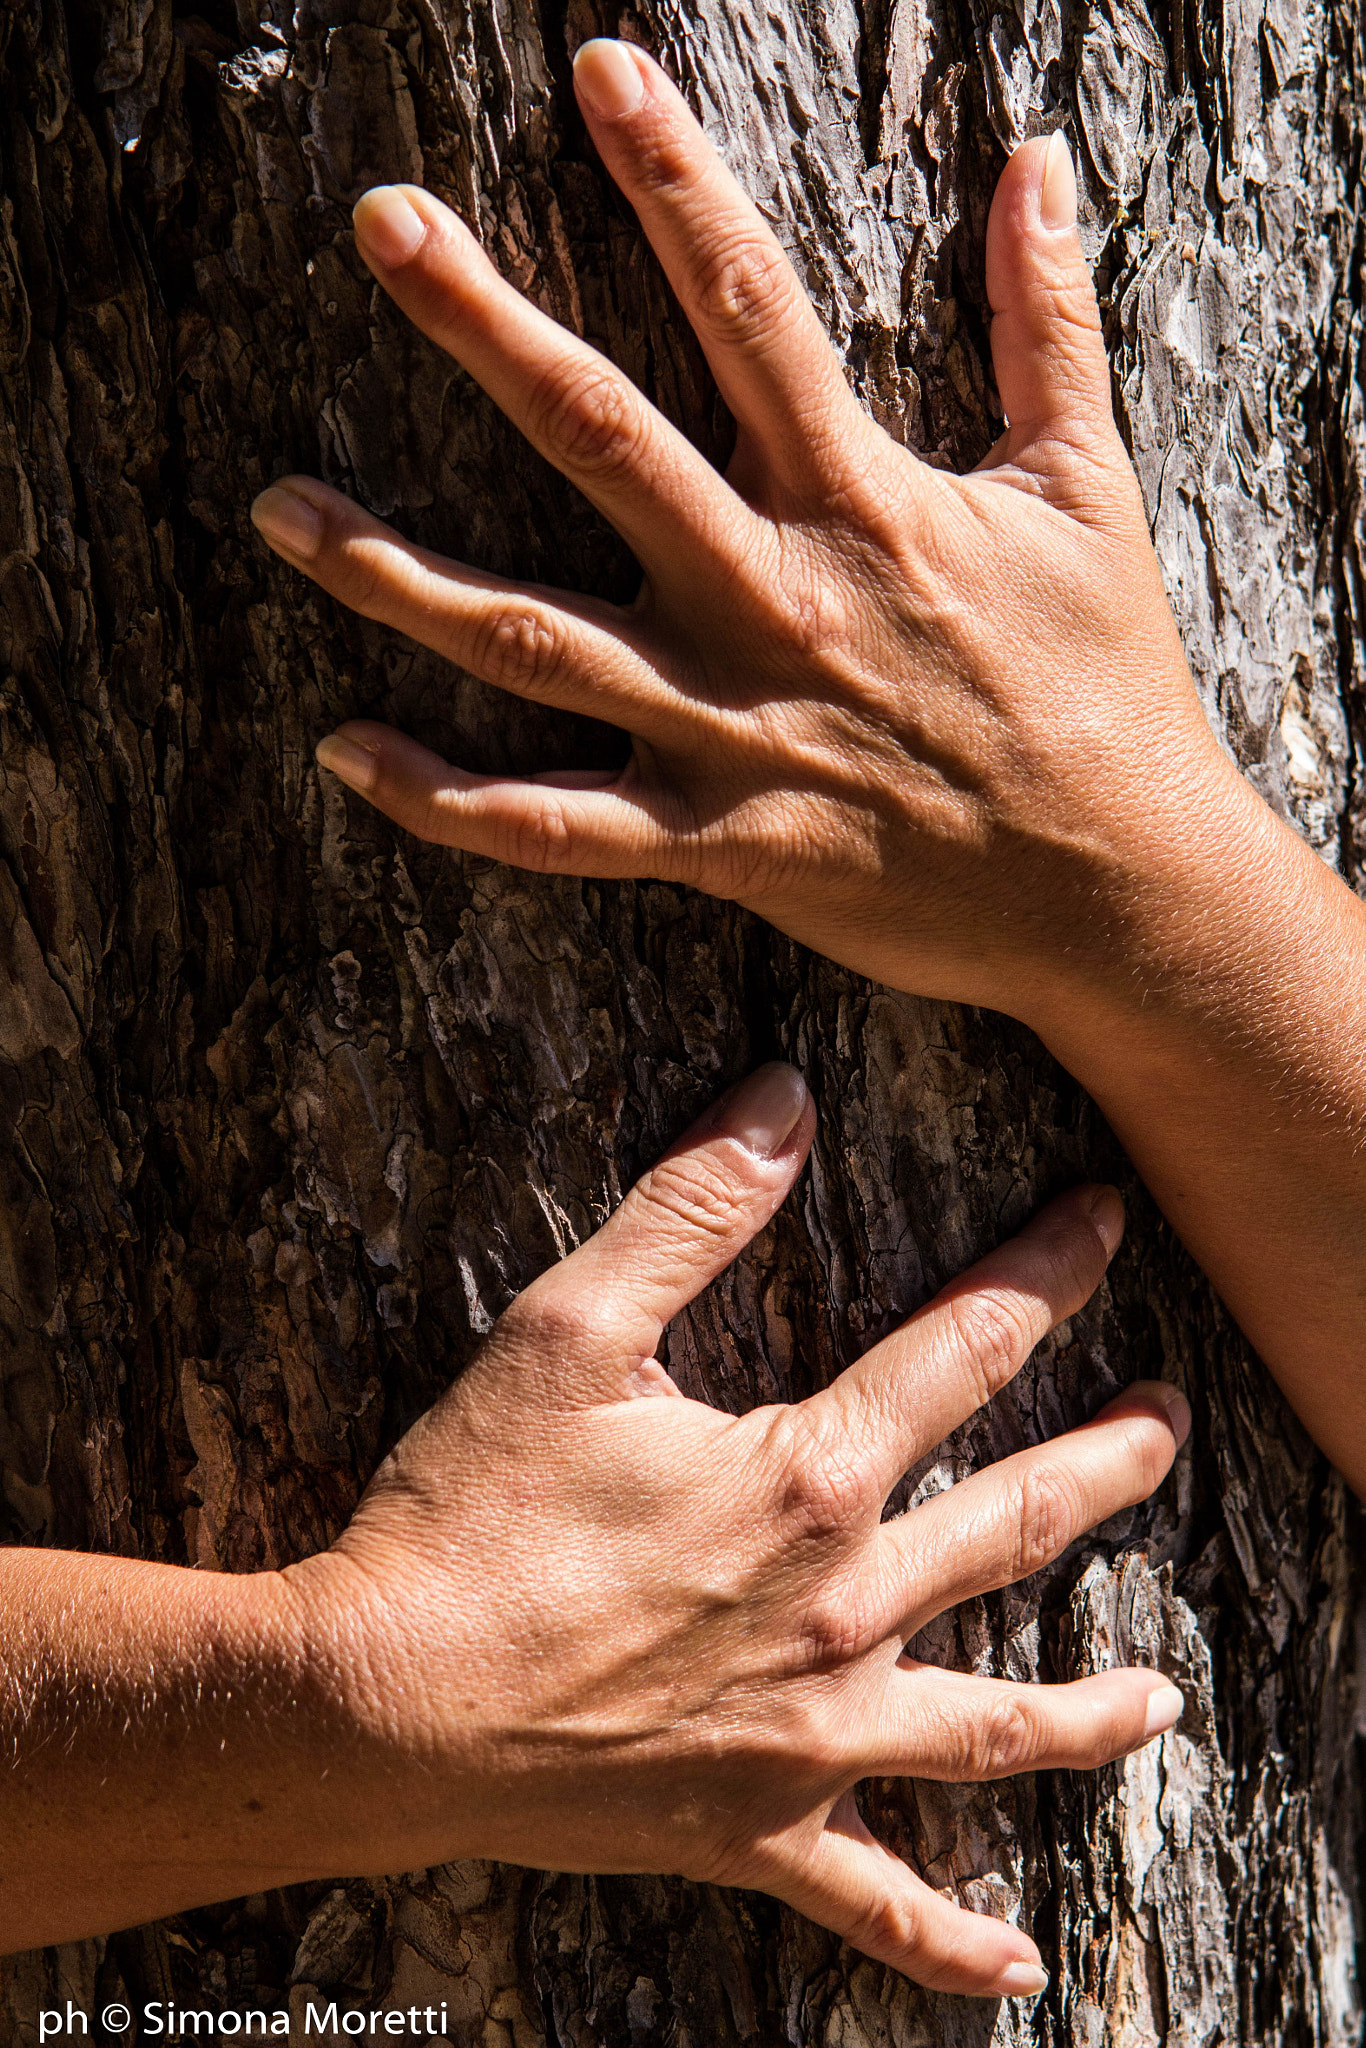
582, 1628
936, 727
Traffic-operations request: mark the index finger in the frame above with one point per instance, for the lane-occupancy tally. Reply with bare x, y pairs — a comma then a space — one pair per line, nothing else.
768, 351
907, 1393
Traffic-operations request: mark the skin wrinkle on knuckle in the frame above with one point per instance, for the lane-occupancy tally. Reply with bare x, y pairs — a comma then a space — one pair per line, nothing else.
821, 1493
1049, 1515
999, 1742
664, 162
539, 839
992, 1333
835, 1631
1072, 304
703, 1196
516, 647
742, 290
590, 417
561, 1320
803, 608
893, 1926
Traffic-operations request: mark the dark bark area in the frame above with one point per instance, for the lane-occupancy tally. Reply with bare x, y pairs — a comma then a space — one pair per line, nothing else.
291, 1105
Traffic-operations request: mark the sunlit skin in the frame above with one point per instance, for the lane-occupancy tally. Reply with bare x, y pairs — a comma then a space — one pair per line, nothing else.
581, 1622
940, 728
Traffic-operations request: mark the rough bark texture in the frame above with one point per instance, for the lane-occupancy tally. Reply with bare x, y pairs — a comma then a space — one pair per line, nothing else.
292, 1105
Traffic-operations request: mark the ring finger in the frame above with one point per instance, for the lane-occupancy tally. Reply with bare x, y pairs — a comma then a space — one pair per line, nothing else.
957, 1728
545, 644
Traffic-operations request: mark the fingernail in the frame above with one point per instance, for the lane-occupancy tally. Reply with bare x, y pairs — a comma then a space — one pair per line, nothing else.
1165, 1708
1178, 1409
1058, 192
354, 765
1020, 1980
288, 522
609, 78
1106, 1209
388, 225
763, 1111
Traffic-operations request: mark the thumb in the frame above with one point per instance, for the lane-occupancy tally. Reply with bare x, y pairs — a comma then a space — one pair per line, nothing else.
681, 1224
1046, 342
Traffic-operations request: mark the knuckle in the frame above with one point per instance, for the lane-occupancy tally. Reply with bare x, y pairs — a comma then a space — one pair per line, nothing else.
1001, 1741
663, 161
561, 1321
516, 648
806, 609
822, 1492
992, 1329
589, 416
1050, 1516
835, 1630
742, 287
1072, 304
538, 839
892, 1925
699, 1194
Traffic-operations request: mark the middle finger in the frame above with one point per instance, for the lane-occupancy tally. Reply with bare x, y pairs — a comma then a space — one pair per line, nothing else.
582, 412
1000, 1525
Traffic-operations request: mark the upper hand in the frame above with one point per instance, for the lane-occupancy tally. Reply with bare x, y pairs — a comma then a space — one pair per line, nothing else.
585, 1629
930, 725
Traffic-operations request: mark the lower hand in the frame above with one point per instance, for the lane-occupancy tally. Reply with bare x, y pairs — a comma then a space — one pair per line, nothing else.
582, 1622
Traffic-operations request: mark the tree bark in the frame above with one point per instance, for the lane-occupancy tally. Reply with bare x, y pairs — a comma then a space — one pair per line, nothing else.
292, 1105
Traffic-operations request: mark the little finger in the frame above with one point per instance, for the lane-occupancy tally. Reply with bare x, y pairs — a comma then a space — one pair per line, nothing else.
565, 822
862, 1892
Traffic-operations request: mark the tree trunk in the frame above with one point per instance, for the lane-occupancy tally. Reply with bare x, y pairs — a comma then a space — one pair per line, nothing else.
292, 1105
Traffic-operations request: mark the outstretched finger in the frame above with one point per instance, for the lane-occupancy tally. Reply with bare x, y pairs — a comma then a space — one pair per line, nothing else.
683, 1222
1000, 1525
545, 644
768, 351
961, 1729
582, 412
853, 1885
907, 1393
1047, 347
566, 822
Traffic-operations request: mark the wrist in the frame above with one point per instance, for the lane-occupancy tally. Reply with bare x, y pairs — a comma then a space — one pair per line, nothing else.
1169, 913
383, 1778
1210, 946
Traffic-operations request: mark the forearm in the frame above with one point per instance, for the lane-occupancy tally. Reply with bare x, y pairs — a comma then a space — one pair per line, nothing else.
1226, 1044
164, 1737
